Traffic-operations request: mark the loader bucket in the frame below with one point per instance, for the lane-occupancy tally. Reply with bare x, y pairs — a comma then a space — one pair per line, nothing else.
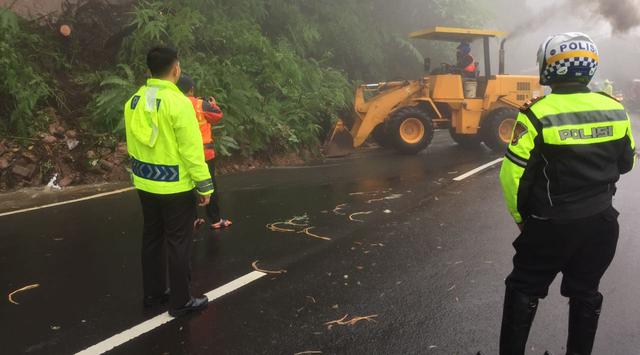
340, 142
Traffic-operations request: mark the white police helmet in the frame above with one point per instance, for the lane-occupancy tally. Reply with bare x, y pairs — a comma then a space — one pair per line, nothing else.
568, 57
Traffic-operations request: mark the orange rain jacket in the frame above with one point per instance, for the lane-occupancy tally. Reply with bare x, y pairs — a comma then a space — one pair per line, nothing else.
208, 114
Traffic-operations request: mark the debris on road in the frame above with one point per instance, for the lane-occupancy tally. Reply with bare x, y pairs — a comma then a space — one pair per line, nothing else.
339, 208
358, 214
297, 221
387, 211
353, 321
309, 352
307, 232
271, 272
390, 197
294, 221
310, 298
274, 228
375, 200
373, 193
26, 288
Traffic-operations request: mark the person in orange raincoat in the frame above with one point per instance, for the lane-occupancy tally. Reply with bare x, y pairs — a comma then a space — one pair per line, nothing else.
465, 61
208, 113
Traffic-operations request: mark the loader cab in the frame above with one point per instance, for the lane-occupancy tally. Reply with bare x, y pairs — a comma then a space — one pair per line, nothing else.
447, 79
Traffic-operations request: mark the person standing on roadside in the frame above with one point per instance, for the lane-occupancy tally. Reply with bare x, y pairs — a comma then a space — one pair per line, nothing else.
559, 177
171, 177
208, 113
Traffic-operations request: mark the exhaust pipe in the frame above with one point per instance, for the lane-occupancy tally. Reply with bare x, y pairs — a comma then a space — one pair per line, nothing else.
501, 64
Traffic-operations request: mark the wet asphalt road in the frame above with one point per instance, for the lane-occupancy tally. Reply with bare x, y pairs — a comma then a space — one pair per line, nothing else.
431, 268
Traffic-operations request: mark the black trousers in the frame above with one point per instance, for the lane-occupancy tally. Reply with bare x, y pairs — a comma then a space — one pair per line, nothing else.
213, 208
581, 250
167, 237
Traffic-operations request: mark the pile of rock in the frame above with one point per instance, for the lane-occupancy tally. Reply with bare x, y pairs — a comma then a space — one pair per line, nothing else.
76, 158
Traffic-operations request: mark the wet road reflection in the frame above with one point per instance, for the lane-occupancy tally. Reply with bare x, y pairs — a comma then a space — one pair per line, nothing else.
85, 256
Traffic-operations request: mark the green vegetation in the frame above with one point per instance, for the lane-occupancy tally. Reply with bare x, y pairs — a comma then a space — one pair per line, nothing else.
25, 87
282, 70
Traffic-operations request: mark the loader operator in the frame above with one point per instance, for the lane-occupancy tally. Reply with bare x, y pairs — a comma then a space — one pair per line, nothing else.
559, 176
170, 175
465, 63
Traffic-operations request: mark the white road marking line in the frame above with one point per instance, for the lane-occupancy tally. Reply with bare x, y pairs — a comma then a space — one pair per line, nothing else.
115, 192
477, 170
164, 318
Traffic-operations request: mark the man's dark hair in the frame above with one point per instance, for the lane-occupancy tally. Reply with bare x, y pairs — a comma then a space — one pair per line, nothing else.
160, 60
185, 83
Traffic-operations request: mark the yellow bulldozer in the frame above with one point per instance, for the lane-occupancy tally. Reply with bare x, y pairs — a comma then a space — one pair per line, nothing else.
475, 108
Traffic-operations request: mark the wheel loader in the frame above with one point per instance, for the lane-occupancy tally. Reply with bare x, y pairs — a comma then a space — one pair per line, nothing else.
403, 115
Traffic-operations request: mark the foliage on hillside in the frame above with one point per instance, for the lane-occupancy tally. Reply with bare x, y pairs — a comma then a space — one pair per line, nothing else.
25, 87
282, 70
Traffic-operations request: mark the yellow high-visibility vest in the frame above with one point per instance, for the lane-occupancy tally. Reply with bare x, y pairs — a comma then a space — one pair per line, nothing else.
164, 141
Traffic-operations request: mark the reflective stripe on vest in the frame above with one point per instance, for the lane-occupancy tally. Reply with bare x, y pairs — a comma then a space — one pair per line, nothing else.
154, 172
204, 186
584, 117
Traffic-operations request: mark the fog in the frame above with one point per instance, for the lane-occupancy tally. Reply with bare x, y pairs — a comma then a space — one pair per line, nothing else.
612, 24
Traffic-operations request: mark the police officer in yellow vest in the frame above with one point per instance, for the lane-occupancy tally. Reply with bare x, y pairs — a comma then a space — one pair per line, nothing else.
171, 176
559, 176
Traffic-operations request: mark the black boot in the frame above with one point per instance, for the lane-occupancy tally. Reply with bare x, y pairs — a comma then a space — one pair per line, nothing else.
195, 304
517, 317
584, 313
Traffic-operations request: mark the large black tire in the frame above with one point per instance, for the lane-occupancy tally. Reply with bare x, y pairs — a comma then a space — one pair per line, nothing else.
381, 136
465, 140
497, 128
410, 130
